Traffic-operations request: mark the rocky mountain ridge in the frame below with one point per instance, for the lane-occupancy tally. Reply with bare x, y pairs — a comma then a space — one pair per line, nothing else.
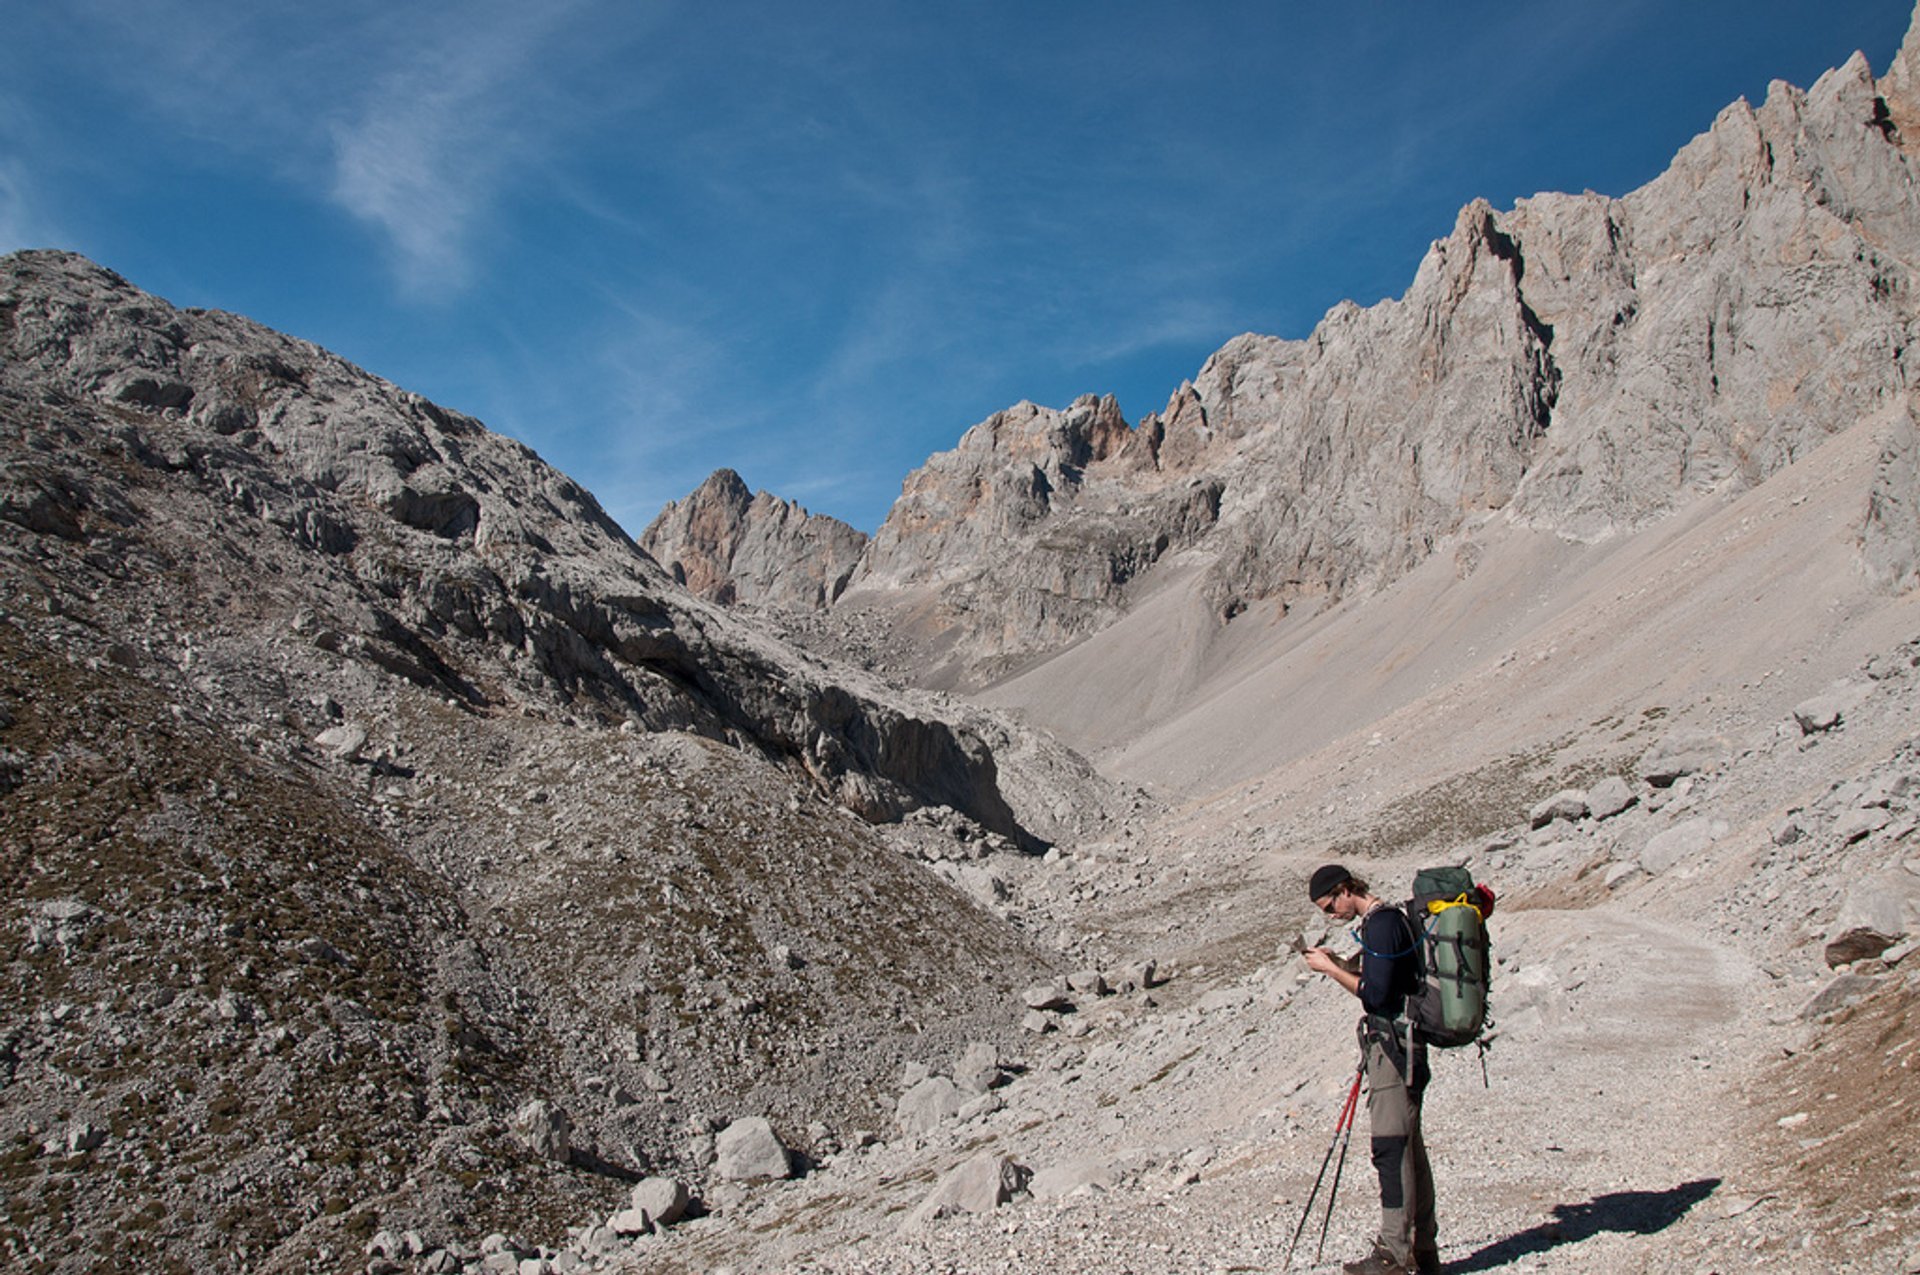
1577, 363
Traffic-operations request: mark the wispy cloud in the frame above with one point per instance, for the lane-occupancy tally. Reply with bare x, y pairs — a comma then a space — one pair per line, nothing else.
416, 120
423, 153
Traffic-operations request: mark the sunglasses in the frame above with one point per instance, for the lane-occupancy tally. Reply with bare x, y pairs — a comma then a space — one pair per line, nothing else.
1326, 904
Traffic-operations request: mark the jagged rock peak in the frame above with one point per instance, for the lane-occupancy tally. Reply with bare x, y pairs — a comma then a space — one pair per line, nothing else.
730, 545
1578, 363
1008, 473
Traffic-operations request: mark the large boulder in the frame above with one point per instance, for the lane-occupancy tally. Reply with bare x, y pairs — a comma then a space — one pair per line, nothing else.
544, 1129
928, 1104
1570, 804
981, 1185
1609, 797
662, 1199
1680, 753
1065, 1178
978, 1069
1877, 912
1680, 843
748, 1150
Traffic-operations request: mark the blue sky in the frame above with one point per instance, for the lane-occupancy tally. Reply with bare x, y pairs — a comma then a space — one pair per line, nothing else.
816, 241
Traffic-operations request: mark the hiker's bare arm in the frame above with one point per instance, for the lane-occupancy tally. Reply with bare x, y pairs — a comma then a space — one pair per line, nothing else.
1324, 961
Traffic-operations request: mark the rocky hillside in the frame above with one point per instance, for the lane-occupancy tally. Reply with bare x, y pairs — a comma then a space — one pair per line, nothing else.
404, 872
387, 837
1578, 364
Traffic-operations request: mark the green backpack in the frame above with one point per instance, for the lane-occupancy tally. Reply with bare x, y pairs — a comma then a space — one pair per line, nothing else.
1448, 917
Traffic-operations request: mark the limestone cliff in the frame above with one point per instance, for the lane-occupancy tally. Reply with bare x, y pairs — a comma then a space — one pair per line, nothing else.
1578, 363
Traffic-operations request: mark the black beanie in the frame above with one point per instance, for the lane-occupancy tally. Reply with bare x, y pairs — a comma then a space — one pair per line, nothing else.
1326, 880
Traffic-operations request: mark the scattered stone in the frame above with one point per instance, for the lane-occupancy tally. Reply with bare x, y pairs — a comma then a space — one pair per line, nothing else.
1048, 996
983, 1105
342, 743
1684, 752
74, 1138
1620, 873
664, 1200
630, 1221
1087, 982
1859, 823
978, 1069
1058, 1180
1877, 912
1038, 1023
1842, 990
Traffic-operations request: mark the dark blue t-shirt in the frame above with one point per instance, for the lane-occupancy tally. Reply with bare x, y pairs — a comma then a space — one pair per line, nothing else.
1389, 967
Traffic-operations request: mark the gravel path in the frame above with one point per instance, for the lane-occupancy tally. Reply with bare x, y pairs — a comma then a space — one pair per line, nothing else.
1607, 1138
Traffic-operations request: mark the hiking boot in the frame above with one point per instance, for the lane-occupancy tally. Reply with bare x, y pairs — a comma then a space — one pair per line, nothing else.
1379, 1262
1427, 1263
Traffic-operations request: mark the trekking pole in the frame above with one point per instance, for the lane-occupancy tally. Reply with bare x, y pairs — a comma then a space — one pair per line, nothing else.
1343, 1124
1339, 1167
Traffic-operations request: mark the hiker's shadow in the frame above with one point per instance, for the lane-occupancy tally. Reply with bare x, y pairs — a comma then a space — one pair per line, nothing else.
1637, 1212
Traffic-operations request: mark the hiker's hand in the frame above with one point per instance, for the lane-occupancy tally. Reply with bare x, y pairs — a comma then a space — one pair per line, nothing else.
1321, 960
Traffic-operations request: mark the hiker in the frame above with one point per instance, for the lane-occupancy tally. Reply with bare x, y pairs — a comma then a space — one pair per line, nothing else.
1387, 970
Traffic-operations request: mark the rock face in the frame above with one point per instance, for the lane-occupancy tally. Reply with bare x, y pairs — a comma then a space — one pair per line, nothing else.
1576, 363
729, 545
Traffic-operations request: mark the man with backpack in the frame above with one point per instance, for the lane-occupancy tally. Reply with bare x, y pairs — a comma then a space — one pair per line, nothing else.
1388, 971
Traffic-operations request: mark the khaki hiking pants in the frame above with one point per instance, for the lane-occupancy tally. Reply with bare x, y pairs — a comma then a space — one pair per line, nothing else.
1407, 1226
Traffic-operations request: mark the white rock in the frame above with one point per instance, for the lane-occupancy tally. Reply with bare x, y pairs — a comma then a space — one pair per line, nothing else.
544, 1129
342, 743
1684, 752
924, 1107
981, 1185
1056, 1180
662, 1199
1569, 804
749, 1151
1609, 797
630, 1222
1619, 873
978, 1069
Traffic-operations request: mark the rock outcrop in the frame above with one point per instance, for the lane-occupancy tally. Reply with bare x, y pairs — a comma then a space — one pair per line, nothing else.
732, 546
